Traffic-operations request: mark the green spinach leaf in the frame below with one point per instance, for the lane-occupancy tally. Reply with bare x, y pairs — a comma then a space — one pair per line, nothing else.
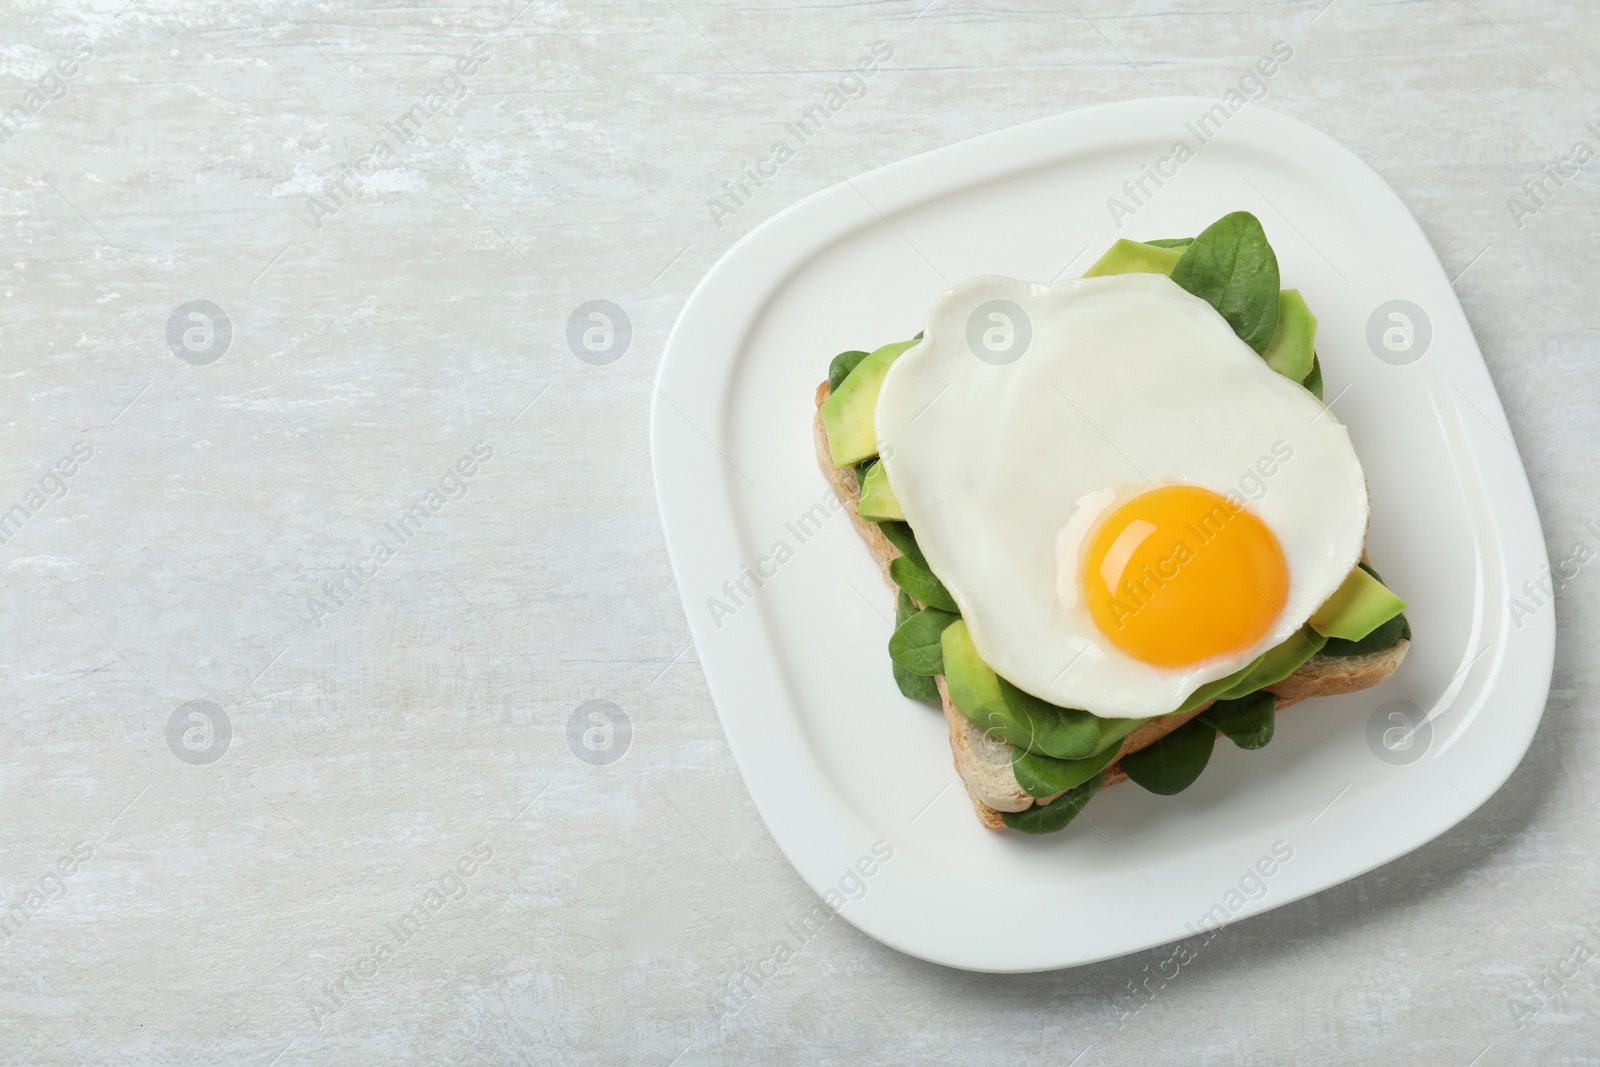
921, 583
840, 368
1173, 763
1247, 722
1112, 732
1056, 814
911, 572
1171, 242
901, 537
1313, 380
916, 686
1064, 733
915, 646
1396, 629
1044, 776
1232, 267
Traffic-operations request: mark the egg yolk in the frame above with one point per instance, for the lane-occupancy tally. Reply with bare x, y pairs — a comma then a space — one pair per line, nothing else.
1179, 574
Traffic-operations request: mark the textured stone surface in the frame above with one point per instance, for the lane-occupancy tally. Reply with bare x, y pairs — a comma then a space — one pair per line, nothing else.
374, 344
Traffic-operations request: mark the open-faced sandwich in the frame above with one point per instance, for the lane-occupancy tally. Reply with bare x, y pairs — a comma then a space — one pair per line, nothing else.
1119, 519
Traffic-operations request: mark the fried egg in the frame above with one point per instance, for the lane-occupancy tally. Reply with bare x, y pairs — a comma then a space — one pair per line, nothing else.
1123, 499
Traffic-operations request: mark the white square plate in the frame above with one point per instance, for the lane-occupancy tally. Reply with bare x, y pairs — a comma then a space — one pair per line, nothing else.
836, 759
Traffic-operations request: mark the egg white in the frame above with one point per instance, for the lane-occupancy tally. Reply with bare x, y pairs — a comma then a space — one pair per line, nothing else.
1128, 383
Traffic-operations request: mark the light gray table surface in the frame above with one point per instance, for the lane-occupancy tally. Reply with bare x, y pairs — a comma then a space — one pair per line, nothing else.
414, 738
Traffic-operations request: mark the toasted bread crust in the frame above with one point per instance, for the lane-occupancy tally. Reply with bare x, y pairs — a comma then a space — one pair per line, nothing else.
984, 763
843, 482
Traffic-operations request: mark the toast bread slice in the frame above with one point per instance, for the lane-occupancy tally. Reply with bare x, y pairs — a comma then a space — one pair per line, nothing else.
984, 762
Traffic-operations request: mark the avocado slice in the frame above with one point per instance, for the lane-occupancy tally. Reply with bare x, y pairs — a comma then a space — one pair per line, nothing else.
1384, 637
1028, 724
1279, 662
847, 414
973, 687
877, 499
1293, 344
1131, 257
1359, 606
1214, 689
